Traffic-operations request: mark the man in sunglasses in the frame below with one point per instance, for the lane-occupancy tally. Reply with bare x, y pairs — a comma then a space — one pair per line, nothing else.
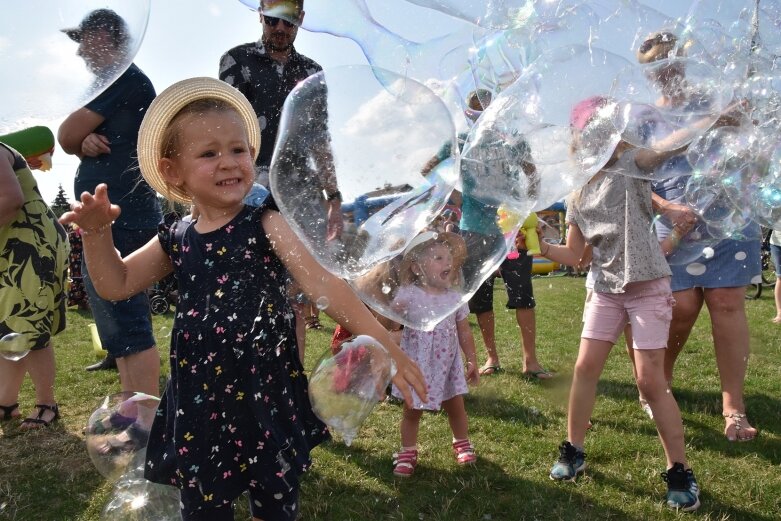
267, 70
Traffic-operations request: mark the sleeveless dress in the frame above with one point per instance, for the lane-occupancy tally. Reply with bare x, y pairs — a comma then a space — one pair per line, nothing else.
235, 413
33, 266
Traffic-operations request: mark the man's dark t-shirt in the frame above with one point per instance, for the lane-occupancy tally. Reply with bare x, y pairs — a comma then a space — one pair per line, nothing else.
123, 105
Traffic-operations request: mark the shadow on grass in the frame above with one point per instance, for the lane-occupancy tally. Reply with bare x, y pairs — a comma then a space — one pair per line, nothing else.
483, 491
763, 414
37, 473
711, 507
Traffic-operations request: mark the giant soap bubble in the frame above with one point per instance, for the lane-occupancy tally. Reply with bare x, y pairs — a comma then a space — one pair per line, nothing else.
137, 499
369, 134
438, 271
345, 387
55, 72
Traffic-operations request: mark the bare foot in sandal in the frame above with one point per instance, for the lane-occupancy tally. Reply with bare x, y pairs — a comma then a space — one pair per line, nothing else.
738, 428
46, 415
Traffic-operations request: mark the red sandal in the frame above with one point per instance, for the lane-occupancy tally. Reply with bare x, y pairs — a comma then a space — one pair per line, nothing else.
404, 462
465, 452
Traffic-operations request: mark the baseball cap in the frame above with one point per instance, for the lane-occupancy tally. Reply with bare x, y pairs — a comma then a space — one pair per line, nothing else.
105, 19
289, 10
583, 111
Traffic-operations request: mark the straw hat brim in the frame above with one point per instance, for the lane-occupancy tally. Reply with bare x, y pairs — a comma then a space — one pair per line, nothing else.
167, 105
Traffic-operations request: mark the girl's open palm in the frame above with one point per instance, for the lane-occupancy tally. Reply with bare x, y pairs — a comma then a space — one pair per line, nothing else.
93, 212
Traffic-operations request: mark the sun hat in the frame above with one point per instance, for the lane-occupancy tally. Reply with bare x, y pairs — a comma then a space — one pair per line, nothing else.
454, 242
584, 110
659, 45
105, 19
289, 10
167, 105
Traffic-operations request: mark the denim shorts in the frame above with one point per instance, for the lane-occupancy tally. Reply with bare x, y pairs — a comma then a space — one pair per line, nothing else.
125, 326
775, 252
647, 306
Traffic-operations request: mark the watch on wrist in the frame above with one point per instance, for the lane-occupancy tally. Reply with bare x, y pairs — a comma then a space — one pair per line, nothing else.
337, 196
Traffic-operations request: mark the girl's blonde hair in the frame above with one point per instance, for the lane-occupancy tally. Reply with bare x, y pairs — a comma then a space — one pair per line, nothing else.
452, 241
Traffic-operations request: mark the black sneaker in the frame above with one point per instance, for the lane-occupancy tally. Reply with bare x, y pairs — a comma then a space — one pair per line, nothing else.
683, 493
571, 463
106, 364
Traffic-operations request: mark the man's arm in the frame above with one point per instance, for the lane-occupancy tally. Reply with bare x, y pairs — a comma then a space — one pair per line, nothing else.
76, 128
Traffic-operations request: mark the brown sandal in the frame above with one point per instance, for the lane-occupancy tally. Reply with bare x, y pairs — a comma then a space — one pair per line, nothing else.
38, 422
738, 425
8, 412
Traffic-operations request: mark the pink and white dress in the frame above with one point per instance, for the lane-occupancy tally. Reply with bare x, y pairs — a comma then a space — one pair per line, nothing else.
437, 352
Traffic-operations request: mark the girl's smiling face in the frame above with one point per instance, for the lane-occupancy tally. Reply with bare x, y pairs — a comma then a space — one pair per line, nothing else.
212, 159
435, 267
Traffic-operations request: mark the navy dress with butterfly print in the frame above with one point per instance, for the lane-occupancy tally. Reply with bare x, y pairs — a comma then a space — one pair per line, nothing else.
236, 413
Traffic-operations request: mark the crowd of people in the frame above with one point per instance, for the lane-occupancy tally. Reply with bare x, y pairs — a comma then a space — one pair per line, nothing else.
235, 414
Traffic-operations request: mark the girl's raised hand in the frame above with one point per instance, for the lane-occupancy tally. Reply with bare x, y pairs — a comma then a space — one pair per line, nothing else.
408, 376
94, 212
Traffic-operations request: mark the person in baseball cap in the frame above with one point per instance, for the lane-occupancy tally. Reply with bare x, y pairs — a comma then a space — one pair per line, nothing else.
291, 11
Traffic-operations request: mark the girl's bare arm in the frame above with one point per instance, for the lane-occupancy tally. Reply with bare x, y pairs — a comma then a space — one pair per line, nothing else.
114, 278
569, 254
343, 304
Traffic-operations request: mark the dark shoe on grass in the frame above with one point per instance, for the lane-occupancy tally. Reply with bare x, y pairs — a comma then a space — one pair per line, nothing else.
683, 492
571, 462
106, 364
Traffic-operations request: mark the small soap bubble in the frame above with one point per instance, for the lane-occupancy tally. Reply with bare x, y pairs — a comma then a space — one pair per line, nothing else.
322, 303
14, 347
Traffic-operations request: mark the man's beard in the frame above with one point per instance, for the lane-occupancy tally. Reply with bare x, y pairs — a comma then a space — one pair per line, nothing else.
269, 43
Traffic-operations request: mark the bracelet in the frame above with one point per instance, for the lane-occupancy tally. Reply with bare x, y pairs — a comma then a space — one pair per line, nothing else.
334, 195
95, 231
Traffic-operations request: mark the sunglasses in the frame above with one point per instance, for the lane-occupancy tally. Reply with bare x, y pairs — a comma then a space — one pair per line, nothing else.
272, 21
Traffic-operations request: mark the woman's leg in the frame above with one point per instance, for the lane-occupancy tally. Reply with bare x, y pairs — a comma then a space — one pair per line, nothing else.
688, 303
41, 367
653, 385
457, 417
777, 293
11, 378
729, 327
592, 356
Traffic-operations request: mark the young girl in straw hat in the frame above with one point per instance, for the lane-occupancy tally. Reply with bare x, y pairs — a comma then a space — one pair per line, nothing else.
235, 415
430, 268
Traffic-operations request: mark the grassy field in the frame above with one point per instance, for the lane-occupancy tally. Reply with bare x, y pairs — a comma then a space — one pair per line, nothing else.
516, 426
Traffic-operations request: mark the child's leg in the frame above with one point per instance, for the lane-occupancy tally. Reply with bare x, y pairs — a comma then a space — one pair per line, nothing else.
653, 384
592, 356
456, 416
410, 422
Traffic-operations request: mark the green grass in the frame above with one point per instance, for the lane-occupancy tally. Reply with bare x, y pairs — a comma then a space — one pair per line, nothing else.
516, 426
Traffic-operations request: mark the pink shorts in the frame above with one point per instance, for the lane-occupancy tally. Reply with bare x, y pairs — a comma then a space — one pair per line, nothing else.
647, 306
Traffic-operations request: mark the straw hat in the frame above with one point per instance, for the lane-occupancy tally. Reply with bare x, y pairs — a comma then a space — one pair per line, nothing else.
659, 45
167, 105
454, 242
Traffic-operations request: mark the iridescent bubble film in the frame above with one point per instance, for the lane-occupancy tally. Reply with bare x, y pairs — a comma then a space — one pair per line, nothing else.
41, 46
369, 135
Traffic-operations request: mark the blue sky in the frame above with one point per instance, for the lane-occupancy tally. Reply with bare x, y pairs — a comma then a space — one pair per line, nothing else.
185, 38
